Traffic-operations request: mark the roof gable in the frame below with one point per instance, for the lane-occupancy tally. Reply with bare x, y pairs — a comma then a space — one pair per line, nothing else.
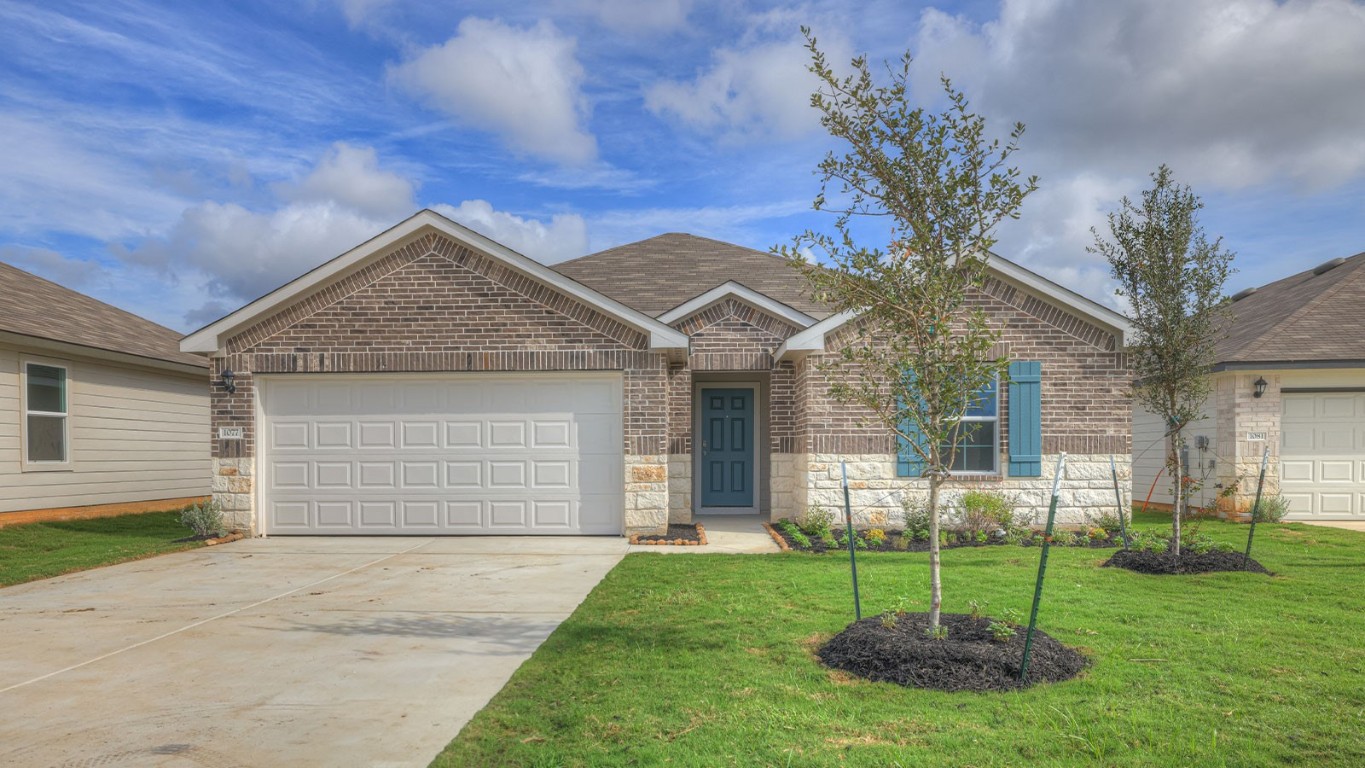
211, 338
41, 309
664, 272
738, 292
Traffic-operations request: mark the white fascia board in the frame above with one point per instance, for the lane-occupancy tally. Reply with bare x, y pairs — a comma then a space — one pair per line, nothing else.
813, 338
1064, 296
744, 293
209, 339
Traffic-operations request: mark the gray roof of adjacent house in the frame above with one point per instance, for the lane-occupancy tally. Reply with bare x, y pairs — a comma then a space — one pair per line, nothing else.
34, 307
656, 275
1315, 316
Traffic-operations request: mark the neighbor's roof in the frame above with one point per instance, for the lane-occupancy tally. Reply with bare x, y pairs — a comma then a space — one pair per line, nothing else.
32, 306
656, 275
1303, 318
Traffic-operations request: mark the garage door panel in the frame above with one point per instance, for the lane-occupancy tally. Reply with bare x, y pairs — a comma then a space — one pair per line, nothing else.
1322, 471
445, 455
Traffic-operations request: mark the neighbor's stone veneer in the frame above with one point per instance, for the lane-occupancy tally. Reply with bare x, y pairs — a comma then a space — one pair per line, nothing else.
232, 487
876, 493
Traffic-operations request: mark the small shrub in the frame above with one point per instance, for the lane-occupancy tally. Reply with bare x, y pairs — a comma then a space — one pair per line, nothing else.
974, 608
1018, 538
900, 543
1107, 522
979, 511
1012, 616
876, 537
1273, 509
937, 633
1001, 632
206, 520
889, 620
916, 519
1064, 539
794, 533
980, 537
858, 541
1150, 541
817, 523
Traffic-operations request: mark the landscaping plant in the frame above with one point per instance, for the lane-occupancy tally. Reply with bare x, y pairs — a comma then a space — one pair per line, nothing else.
938, 188
1171, 276
205, 519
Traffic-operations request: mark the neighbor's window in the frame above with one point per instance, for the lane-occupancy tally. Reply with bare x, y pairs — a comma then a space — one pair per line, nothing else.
978, 435
45, 413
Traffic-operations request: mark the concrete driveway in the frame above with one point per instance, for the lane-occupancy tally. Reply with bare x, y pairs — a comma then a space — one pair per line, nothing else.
286, 651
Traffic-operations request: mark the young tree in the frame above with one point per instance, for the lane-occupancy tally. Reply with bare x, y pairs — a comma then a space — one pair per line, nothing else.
938, 187
1172, 276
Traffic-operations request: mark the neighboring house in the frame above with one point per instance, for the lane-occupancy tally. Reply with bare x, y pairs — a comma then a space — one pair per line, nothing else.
431, 381
1289, 376
98, 407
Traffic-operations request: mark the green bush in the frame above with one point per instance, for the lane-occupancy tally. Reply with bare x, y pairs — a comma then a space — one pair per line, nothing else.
979, 511
1108, 522
1273, 509
789, 528
916, 519
206, 520
817, 522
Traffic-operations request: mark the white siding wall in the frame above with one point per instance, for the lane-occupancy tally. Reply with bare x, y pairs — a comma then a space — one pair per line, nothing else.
134, 434
1149, 456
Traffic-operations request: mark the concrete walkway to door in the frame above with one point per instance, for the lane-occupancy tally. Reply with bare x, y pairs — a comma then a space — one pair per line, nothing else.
281, 651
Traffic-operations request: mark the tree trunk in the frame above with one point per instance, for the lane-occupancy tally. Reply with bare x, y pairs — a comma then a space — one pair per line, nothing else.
935, 583
1179, 506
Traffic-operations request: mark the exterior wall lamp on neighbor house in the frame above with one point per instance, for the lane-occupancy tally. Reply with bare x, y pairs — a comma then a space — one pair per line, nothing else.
1258, 386
231, 386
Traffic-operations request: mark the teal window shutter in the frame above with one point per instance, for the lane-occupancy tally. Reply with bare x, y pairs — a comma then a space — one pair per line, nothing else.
908, 463
1026, 419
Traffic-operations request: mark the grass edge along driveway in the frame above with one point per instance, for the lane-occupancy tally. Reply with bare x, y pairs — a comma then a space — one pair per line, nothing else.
706, 661
32, 551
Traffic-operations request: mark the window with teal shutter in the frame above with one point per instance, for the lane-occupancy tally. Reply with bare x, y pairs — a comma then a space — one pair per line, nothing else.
1026, 418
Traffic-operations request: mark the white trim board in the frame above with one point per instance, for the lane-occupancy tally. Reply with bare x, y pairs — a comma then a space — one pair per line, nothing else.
730, 288
209, 340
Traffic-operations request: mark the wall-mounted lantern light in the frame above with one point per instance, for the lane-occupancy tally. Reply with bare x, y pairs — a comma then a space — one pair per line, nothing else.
1258, 386
231, 386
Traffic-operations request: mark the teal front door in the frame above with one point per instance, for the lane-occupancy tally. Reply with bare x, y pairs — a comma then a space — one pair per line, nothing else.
727, 448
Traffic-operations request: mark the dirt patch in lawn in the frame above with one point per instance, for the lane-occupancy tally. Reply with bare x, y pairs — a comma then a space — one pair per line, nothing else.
1186, 563
679, 534
968, 659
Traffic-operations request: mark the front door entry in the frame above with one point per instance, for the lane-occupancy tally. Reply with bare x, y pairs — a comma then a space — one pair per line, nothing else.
727, 448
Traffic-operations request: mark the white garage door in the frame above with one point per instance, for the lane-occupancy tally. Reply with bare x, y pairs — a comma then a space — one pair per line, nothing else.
1322, 455
454, 454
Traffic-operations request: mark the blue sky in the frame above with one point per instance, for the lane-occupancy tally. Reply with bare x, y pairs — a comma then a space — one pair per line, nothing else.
179, 159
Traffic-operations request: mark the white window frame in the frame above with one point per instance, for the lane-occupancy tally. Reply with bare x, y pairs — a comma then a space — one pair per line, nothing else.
994, 471
26, 464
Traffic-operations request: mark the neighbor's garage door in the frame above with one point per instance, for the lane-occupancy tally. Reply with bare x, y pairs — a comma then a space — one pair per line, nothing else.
457, 454
1322, 456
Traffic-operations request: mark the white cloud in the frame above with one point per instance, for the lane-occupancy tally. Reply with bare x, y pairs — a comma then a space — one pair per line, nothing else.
357, 12
565, 236
351, 176
752, 93
634, 16
730, 223
1234, 93
524, 84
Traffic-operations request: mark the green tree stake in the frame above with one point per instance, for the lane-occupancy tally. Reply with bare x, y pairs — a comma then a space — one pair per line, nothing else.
1256, 505
1118, 496
1042, 568
852, 558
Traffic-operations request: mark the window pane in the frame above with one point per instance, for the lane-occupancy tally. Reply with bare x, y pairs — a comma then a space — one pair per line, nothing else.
975, 447
46, 389
47, 438
983, 405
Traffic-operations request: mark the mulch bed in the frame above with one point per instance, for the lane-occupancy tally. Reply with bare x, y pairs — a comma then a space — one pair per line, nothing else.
896, 542
968, 659
679, 534
1186, 563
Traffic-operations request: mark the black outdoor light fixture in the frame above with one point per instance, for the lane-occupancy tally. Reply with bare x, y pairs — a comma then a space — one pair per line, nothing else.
231, 386
1259, 386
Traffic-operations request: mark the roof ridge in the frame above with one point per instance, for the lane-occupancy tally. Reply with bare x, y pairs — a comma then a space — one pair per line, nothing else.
1293, 317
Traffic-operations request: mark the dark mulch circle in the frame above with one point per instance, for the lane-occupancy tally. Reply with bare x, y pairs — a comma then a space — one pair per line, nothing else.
1186, 563
968, 659
682, 534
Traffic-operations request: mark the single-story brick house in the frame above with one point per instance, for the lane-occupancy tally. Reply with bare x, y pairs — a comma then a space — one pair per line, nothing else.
433, 381
100, 410
1289, 375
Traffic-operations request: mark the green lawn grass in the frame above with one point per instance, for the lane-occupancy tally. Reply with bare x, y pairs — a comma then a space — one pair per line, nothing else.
42, 550
705, 660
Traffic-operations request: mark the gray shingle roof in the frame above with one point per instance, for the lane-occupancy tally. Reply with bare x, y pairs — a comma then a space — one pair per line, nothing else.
656, 275
1301, 318
32, 306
